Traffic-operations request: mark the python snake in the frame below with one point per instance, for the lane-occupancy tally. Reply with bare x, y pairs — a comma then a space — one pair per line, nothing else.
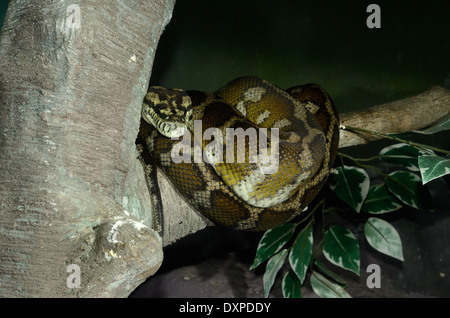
301, 130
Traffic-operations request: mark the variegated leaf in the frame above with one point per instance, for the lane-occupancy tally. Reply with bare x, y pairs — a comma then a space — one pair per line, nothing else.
341, 248
408, 188
383, 237
291, 285
271, 242
300, 254
433, 167
325, 288
351, 185
273, 266
402, 154
380, 200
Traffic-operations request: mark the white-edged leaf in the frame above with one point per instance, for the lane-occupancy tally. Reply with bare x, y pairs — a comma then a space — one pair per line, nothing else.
272, 241
351, 185
433, 167
291, 285
379, 200
402, 154
325, 288
273, 266
330, 274
383, 237
408, 188
341, 248
300, 254
443, 124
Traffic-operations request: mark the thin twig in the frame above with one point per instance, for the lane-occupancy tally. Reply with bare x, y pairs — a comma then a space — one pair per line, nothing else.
409, 142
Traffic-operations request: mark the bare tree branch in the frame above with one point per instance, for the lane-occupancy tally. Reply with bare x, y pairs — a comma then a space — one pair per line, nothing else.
407, 114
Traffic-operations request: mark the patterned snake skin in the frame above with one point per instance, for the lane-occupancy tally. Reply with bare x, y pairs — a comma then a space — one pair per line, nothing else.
232, 184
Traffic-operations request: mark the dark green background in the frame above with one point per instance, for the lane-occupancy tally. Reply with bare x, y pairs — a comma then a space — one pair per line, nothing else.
208, 43
3, 6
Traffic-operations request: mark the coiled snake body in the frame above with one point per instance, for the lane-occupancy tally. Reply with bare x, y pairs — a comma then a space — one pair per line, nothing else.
245, 194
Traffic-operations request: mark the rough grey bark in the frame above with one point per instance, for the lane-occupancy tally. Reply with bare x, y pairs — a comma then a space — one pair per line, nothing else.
72, 79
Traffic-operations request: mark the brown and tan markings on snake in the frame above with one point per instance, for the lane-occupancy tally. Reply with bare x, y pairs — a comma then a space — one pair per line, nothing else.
241, 195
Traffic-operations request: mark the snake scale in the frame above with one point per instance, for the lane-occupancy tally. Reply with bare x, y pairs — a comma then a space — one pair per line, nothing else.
300, 128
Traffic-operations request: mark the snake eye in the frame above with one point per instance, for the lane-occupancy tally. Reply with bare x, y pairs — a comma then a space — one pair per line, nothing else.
160, 106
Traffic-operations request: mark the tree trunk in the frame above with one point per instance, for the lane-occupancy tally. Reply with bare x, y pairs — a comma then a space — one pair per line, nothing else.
72, 81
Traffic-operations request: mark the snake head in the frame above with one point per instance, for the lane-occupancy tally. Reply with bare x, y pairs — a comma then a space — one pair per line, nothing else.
168, 110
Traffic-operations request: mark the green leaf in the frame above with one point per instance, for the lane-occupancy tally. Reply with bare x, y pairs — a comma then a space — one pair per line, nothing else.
408, 188
341, 248
291, 285
380, 200
433, 167
300, 255
273, 266
402, 154
444, 124
383, 237
351, 185
272, 241
330, 274
325, 288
